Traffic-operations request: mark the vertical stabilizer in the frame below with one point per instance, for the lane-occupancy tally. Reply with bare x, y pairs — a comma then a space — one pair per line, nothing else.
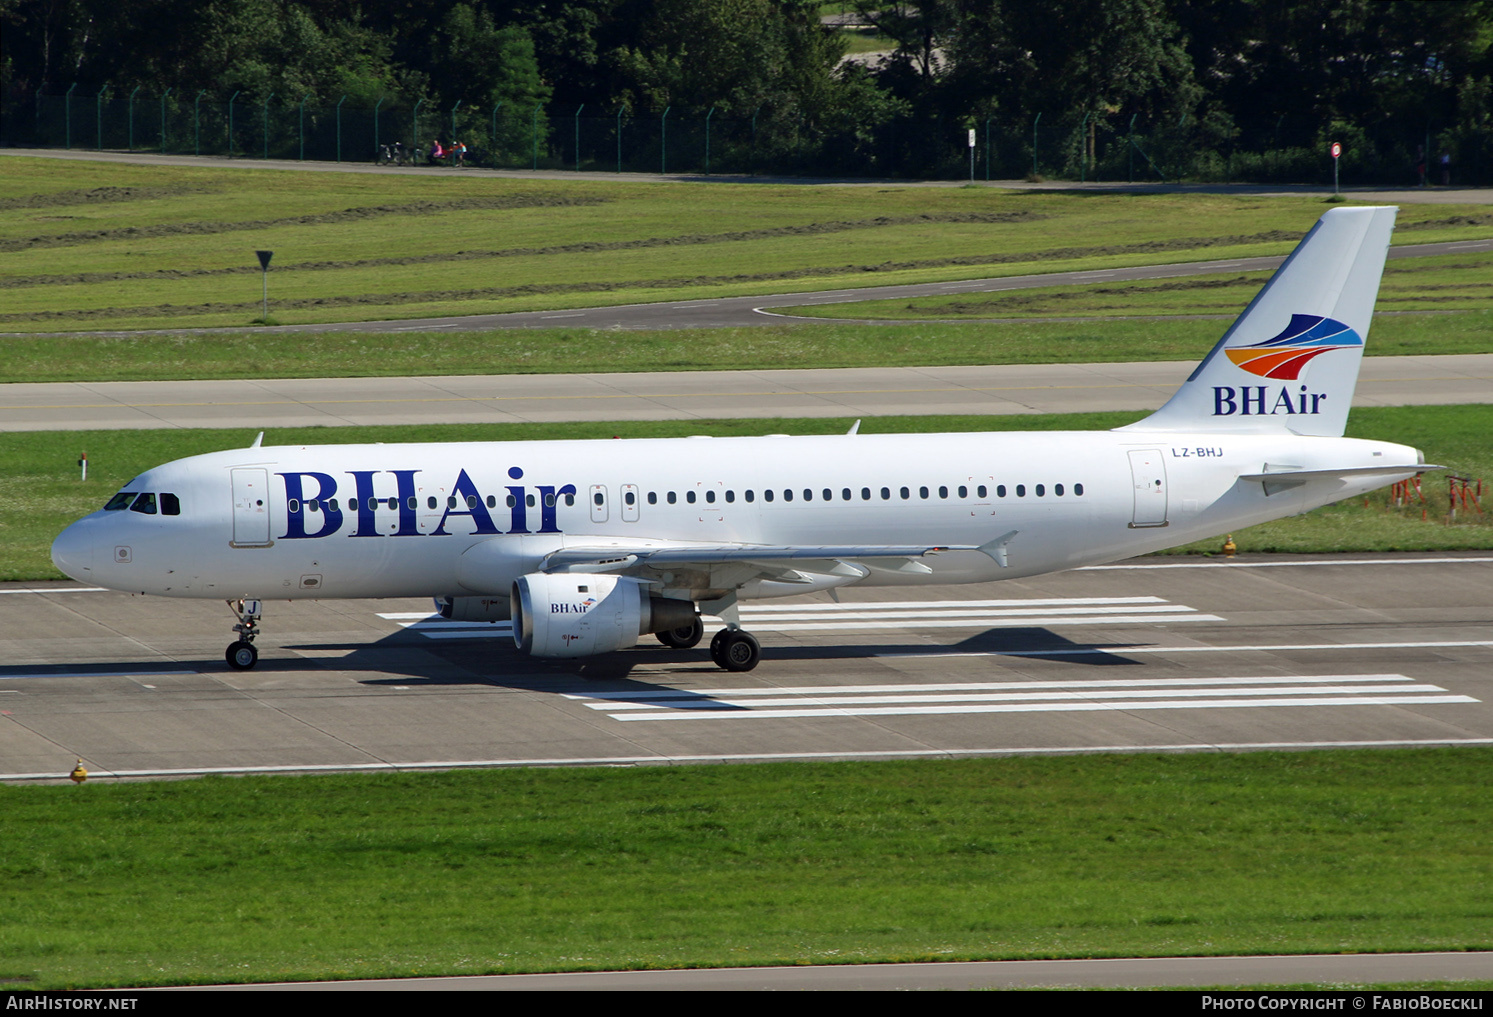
1290, 361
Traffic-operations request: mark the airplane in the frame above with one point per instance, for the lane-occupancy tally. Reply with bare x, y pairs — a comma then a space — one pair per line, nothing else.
587, 546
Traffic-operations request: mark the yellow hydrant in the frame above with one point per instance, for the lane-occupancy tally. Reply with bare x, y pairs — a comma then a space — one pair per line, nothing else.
1229, 547
79, 774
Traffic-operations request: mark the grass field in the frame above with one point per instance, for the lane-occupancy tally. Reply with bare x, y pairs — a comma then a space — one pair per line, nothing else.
40, 491
261, 878
54, 357
85, 245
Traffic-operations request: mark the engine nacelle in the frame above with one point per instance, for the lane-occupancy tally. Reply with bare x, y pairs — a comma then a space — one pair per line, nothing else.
579, 614
488, 609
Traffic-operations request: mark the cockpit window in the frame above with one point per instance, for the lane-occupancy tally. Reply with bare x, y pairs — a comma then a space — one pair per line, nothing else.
145, 503
170, 505
120, 501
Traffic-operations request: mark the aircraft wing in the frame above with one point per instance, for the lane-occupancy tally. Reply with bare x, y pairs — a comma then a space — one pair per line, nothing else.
627, 560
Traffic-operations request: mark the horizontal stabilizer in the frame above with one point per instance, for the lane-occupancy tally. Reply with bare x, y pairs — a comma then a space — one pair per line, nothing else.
1276, 481
1356, 471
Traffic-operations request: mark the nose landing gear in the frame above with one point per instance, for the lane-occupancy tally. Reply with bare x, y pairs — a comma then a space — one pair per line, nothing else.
242, 655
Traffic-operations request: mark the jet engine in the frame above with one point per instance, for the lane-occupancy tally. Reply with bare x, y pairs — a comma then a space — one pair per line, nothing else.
578, 614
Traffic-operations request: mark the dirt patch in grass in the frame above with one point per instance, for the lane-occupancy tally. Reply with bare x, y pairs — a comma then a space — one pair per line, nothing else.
506, 201
1455, 220
583, 247
97, 195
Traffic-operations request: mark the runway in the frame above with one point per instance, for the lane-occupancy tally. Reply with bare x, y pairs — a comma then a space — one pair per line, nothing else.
1152, 655
681, 395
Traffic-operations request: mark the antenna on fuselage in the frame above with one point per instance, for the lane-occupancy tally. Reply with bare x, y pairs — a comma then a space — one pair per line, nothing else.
258, 440
854, 429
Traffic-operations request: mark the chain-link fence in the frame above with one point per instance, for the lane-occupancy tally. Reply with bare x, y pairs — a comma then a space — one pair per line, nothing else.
1062, 146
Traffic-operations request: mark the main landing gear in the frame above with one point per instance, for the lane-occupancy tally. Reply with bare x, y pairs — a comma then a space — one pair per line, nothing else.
730, 648
685, 637
735, 650
241, 655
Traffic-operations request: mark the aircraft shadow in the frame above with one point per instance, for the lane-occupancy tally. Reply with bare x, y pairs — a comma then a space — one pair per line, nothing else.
402, 657
405, 658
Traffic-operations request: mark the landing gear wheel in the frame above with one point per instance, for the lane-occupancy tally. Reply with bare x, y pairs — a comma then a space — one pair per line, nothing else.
683, 638
718, 647
741, 652
242, 655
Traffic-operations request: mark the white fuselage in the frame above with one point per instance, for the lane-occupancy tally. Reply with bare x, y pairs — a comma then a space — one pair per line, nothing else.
467, 519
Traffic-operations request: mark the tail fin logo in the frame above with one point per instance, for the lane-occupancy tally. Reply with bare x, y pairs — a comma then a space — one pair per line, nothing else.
1284, 356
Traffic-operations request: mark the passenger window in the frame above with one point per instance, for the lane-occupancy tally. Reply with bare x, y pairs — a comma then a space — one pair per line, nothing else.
598, 498
549, 500
922, 492
768, 494
315, 506
751, 495
293, 506
829, 495
630, 498
450, 501
653, 497
120, 501
430, 502
673, 497
1000, 490
980, 491
570, 499
512, 501
788, 495
1041, 490
730, 495
845, 494
471, 501
905, 494
689, 496
710, 497
1021, 490
1078, 490
886, 494
808, 495
963, 491
1057, 489
943, 492
865, 494
170, 505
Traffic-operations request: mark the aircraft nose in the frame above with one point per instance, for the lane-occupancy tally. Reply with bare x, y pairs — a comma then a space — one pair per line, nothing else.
72, 552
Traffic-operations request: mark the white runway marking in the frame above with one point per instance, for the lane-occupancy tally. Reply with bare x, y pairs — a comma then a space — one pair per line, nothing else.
1129, 650
1277, 564
1083, 695
914, 614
